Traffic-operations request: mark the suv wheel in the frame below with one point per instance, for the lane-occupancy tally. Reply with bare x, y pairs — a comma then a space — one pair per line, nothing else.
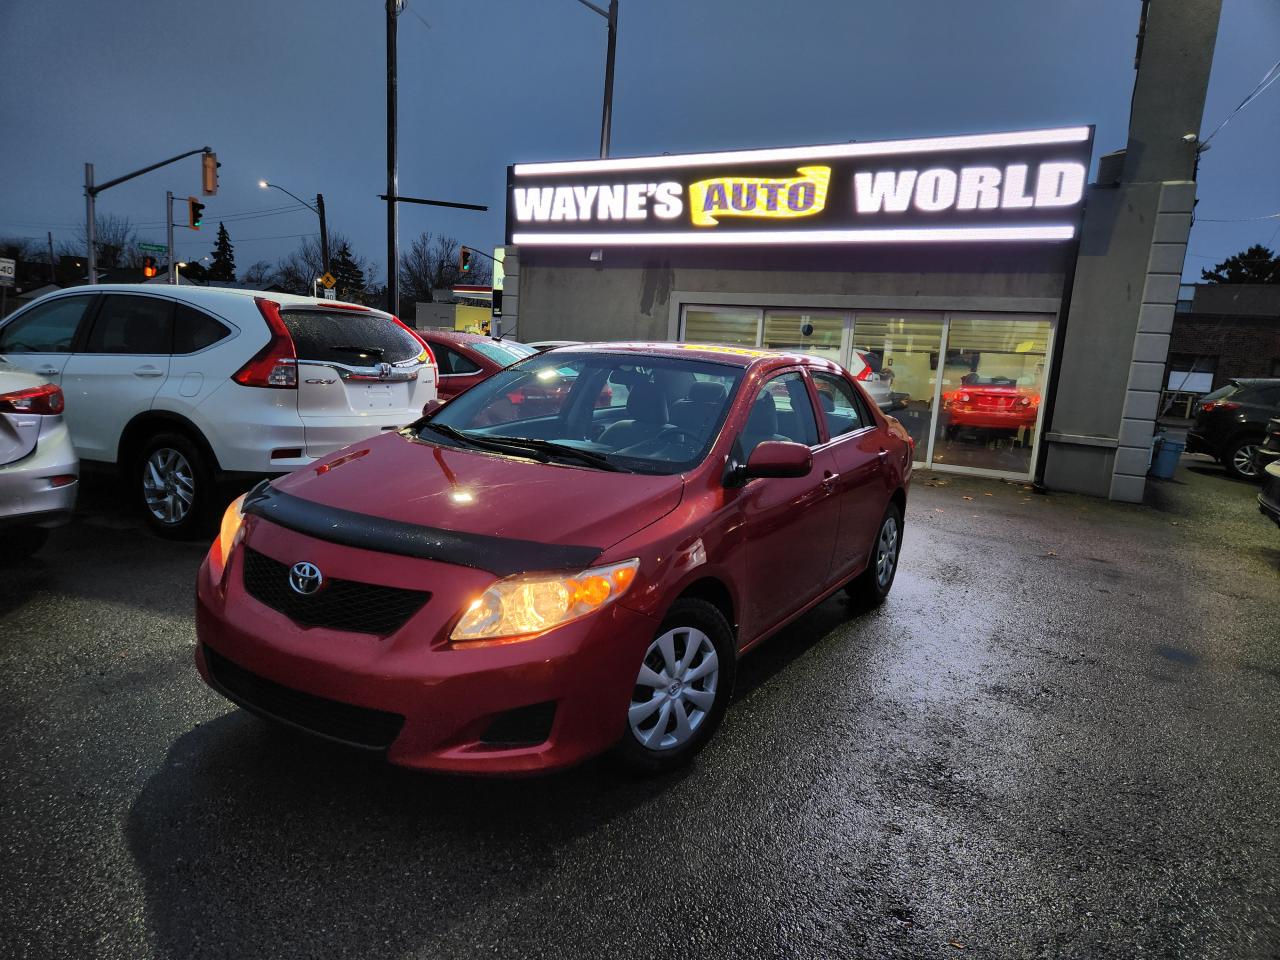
1239, 459
173, 481
874, 583
682, 688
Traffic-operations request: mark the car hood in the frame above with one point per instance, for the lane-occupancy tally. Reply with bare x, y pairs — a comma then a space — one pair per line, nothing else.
469, 492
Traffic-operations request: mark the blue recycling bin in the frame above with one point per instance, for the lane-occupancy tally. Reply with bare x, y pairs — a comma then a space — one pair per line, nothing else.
1165, 460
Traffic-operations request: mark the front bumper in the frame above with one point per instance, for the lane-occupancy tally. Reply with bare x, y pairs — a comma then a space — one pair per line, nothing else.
27, 494
428, 705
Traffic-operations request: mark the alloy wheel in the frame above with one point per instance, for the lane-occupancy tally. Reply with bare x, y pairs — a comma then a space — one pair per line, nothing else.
675, 689
887, 551
1242, 460
168, 484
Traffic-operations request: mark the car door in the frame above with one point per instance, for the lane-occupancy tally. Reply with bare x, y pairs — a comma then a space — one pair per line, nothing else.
459, 371
119, 371
790, 523
855, 445
41, 338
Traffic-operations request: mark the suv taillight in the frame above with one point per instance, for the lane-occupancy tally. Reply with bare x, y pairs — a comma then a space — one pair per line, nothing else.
431, 357
45, 399
1213, 405
275, 365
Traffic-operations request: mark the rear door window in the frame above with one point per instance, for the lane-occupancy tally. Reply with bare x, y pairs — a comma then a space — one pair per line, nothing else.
194, 330
132, 325
840, 408
452, 362
353, 337
47, 328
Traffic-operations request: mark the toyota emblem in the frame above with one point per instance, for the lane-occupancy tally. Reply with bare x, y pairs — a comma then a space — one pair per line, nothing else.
305, 578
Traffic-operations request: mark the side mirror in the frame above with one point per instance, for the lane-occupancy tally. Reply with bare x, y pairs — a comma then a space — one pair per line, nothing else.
778, 458
431, 406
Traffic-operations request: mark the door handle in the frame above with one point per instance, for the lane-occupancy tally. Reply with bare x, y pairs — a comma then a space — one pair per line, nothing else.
148, 372
47, 371
829, 478
883, 452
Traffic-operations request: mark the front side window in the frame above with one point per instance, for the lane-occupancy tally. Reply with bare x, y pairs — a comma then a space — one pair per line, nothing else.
840, 408
46, 328
614, 411
781, 411
132, 325
454, 363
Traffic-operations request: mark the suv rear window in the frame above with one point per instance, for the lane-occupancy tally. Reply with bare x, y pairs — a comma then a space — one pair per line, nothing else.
352, 337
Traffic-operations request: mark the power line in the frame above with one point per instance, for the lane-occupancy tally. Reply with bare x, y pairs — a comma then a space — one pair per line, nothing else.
1267, 80
1269, 216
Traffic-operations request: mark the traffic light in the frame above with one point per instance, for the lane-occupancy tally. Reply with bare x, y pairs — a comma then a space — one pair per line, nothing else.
149, 266
195, 213
209, 174
464, 260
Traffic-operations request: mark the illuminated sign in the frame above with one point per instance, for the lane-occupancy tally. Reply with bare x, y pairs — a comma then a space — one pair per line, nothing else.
1024, 185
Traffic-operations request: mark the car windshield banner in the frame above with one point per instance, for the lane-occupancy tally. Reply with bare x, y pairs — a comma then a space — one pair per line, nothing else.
1024, 185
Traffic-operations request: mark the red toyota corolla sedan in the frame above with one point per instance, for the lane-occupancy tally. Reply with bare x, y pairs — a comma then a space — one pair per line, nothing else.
484, 593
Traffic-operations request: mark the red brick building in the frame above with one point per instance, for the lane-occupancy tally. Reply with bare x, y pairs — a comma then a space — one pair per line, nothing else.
1223, 331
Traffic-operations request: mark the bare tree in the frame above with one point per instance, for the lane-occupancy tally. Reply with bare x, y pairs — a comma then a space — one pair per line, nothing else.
296, 271
116, 242
431, 263
259, 274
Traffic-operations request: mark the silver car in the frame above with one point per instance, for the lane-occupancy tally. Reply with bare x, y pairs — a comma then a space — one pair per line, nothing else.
39, 470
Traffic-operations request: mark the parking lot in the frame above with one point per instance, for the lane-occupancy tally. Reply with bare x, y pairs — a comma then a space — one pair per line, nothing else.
1058, 738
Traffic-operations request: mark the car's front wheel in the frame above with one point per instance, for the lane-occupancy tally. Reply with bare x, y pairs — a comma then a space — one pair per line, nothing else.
682, 688
174, 481
1239, 459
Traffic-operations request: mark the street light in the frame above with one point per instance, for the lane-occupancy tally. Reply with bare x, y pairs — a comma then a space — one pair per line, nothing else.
318, 210
606, 118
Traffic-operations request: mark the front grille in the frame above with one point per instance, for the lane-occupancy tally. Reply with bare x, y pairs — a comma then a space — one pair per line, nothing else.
358, 726
347, 605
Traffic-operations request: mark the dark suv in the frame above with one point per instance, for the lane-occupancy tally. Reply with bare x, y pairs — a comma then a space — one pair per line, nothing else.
1231, 423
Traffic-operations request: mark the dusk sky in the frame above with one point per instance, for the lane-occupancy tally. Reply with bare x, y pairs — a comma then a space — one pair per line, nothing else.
294, 93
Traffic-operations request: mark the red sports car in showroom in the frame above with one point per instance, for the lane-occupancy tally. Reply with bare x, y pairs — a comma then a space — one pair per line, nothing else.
990, 403
516, 596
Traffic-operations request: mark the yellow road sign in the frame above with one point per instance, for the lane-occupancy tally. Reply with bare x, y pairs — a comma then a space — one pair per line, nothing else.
328, 280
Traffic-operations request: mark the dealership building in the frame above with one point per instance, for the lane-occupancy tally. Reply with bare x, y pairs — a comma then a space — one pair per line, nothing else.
1018, 313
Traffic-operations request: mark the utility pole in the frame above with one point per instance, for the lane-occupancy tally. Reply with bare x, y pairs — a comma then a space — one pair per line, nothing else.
324, 232
91, 192
53, 271
606, 119
168, 222
393, 178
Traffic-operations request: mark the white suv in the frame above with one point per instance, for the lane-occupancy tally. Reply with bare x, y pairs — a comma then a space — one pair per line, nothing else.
175, 384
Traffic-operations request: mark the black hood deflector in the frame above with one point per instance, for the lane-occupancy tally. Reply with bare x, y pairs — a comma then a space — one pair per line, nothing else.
498, 555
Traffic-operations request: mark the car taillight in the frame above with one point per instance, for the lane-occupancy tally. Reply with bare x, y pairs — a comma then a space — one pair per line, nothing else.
430, 357
45, 399
963, 398
1025, 402
864, 374
1213, 405
275, 365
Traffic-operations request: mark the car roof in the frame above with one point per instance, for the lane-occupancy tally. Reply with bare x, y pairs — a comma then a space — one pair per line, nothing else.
460, 336
708, 352
207, 296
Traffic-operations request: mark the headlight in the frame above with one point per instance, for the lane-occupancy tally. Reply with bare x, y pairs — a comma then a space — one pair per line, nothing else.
523, 606
228, 536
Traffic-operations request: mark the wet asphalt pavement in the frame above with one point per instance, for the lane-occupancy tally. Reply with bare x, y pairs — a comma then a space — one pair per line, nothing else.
1059, 738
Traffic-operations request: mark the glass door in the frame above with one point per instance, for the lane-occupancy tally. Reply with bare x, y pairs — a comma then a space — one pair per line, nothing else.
895, 356
731, 326
993, 380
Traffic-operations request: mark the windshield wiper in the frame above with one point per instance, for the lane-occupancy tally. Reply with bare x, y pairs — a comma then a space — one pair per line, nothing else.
563, 450
483, 443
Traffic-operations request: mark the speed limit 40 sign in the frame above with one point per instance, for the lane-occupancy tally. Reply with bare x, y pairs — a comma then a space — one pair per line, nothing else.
8, 269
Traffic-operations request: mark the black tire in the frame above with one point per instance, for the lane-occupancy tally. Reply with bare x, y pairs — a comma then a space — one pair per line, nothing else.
869, 588
22, 542
1238, 458
686, 614
190, 519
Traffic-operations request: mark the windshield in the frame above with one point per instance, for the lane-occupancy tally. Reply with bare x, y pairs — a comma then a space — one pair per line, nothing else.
505, 352
602, 410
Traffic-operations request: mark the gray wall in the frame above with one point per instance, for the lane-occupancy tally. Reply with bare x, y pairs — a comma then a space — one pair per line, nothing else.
563, 295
